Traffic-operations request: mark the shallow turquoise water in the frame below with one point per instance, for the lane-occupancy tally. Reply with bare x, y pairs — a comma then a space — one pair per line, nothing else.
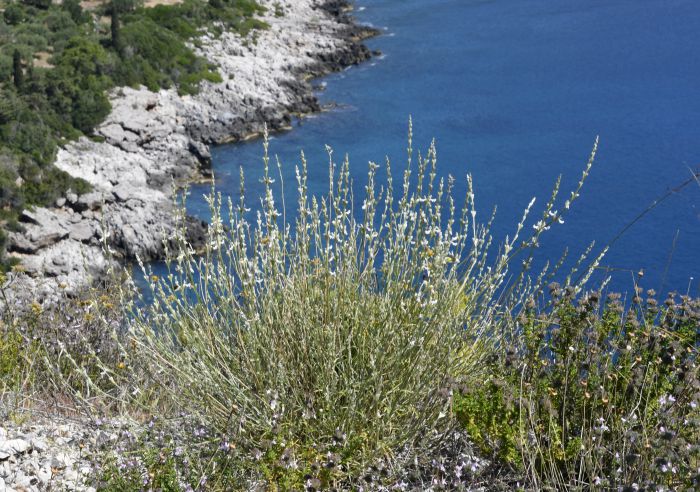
515, 92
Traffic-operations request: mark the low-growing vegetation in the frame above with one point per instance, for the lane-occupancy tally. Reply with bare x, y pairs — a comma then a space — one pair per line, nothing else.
380, 344
594, 393
58, 61
40, 349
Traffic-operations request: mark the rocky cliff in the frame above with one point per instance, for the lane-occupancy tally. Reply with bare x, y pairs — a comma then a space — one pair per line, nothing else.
152, 143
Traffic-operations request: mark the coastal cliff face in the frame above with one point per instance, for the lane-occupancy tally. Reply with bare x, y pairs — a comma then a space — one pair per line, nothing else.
151, 143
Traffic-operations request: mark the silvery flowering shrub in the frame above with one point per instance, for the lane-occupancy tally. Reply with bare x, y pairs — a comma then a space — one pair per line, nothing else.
350, 322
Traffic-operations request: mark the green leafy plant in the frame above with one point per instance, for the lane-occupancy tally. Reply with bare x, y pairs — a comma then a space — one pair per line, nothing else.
595, 395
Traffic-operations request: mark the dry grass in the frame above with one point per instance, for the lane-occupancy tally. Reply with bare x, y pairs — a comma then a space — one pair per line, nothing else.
41, 59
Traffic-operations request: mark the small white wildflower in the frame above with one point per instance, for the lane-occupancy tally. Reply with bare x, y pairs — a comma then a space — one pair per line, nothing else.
540, 226
666, 400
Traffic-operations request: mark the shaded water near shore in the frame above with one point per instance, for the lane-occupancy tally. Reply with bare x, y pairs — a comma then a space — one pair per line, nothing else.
515, 92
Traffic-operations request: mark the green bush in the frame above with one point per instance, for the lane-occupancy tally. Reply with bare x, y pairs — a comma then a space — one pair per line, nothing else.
29, 134
77, 85
14, 14
40, 4
5, 67
9, 194
60, 21
75, 10
15, 357
44, 186
595, 396
157, 57
179, 19
53, 352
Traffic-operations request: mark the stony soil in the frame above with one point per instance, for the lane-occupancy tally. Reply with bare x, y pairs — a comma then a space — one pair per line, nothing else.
52, 454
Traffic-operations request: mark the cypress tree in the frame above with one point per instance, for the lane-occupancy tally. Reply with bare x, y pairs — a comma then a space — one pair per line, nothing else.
116, 29
17, 73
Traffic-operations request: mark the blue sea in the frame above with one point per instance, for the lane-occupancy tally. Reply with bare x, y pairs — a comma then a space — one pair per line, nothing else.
515, 93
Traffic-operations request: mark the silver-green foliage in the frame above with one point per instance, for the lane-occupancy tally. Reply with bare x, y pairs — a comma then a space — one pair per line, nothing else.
355, 321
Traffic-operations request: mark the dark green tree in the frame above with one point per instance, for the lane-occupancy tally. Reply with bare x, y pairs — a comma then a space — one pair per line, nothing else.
115, 28
90, 105
76, 86
14, 14
75, 10
17, 73
40, 4
115, 10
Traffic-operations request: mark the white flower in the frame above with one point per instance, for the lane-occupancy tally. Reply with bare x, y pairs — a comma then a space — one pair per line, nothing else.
540, 226
666, 400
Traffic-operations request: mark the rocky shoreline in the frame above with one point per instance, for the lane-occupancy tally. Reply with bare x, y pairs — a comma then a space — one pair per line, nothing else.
153, 143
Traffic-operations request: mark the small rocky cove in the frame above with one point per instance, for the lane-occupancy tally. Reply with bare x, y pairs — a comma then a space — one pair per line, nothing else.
153, 143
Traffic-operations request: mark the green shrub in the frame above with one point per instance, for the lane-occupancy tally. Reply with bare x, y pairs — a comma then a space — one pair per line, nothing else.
5, 67
491, 418
595, 396
179, 19
60, 20
168, 454
75, 10
29, 134
14, 359
53, 352
157, 57
44, 186
40, 4
14, 14
76, 86
9, 194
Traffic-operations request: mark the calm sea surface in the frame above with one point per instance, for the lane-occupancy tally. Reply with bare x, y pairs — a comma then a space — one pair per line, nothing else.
515, 92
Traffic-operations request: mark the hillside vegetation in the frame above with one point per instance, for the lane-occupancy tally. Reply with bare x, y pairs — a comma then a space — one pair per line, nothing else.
58, 62
380, 341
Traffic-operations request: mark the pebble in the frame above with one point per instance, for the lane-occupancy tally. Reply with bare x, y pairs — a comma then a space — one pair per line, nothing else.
14, 446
